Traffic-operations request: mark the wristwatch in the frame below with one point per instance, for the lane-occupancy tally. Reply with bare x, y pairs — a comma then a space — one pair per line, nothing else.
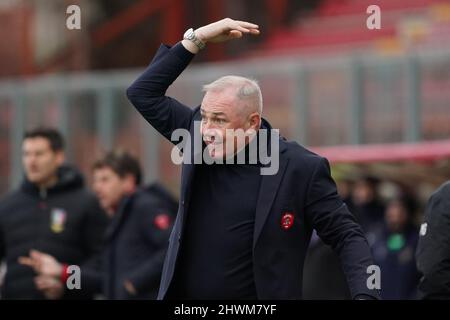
190, 35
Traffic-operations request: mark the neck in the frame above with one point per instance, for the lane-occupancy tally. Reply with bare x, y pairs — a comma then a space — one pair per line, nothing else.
113, 209
50, 182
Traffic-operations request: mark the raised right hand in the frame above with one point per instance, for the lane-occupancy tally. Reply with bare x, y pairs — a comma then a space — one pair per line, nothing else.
225, 29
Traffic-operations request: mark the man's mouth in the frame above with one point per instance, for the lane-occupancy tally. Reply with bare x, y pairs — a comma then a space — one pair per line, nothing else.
212, 144
208, 140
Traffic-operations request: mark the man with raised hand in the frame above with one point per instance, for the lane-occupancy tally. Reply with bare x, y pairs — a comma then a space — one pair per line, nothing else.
241, 234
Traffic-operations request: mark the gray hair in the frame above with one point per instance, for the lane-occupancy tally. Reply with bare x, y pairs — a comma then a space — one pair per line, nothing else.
246, 89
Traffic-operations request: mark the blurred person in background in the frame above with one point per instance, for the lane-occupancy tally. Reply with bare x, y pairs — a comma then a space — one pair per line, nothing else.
51, 212
365, 203
323, 277
136, 239
240, 234
394, 248
433, 251
345, 189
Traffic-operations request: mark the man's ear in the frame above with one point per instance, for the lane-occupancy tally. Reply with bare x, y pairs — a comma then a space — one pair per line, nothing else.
255, 121
60, 157
129, 181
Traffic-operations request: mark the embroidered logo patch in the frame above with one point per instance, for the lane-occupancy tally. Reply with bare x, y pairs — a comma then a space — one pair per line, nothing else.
287, 220
162, 221
57, 220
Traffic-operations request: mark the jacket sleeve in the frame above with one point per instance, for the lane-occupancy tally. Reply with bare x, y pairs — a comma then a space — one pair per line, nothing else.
433, 250
156, 225
147, 93
337, 227
2, 244
92, 275
94, 226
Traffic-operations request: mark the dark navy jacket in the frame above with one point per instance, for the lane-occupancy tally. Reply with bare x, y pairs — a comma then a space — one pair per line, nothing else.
135, 246
65, 221
433, 249
302, 185
398, 266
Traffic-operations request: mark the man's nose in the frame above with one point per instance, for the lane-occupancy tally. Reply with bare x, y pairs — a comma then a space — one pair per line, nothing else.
209, 133
31, 161
207, 125
205, 128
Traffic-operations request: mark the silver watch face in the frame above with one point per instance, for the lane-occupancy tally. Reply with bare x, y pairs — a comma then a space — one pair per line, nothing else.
189, 34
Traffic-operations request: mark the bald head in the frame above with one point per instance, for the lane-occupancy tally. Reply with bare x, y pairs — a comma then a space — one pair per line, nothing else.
246, 92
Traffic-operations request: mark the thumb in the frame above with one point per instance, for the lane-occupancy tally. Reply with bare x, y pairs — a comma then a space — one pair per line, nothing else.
35, 254
234, 34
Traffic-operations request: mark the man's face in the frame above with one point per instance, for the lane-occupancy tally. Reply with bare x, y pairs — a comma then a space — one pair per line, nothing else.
109, 187
40, 161
363, 192
220, 111
396, 216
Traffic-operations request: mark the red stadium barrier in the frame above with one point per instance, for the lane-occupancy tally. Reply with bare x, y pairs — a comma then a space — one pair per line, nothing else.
423, 151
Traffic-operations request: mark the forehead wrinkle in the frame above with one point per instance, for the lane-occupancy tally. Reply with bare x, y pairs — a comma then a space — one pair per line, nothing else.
221, 101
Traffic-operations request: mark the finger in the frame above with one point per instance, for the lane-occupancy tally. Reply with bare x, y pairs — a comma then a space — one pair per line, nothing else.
234, 34
241, 29
26, 261
44, 283
247, 25
39, 282
254, 31
43, 286
36, 254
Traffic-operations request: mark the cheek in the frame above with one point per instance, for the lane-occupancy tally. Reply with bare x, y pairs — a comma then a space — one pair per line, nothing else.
46, 162
26, 162
115, 190
107, 193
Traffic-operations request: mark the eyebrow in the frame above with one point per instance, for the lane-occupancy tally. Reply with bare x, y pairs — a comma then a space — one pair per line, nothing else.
214, 113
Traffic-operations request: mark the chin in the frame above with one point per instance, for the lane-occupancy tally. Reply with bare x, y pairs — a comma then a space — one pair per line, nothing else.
215, 153
34, 179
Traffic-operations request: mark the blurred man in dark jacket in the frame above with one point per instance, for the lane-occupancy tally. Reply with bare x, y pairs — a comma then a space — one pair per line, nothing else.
51, 212
130, 265
365, 204
394, 248
433, 251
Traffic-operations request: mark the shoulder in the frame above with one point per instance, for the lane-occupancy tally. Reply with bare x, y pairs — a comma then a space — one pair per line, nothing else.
85, 195
84, 200
147, 207
443, 191
301, 157
146, 203
10, 200
197, 114
441, 198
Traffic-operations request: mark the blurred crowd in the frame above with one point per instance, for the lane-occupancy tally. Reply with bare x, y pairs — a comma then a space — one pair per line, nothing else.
391, 227
60, 240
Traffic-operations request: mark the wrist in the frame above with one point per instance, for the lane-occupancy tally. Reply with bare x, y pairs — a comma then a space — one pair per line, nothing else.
191, 39
199, 35
60, 269
190, 46
63, 274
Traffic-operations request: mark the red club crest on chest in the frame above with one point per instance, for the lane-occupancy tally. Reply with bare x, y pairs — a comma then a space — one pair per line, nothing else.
287, 220
162, 221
